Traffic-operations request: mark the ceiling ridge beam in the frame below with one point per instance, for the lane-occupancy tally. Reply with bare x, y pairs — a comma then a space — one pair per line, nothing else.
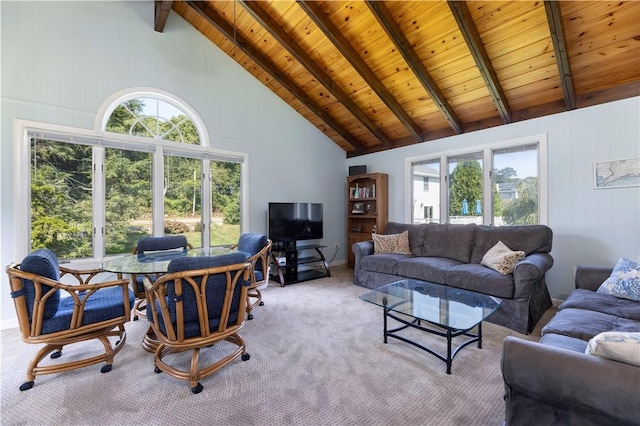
213, 17
261, 15
554, 18
471, 36
161, 11
331, 31
384, 17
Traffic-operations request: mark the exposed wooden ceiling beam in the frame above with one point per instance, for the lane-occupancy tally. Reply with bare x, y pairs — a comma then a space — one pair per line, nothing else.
161, 13
331, 31
384, 17
260, 14
213, 17
469, 31
554, 18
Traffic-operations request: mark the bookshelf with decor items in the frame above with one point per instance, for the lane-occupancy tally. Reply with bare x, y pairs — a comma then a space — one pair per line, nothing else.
367, 208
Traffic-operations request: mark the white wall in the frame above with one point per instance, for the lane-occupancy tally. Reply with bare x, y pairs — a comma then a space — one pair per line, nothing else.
62, 60
591, 227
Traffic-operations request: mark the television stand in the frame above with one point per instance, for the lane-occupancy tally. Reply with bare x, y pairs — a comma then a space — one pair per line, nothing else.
301, 263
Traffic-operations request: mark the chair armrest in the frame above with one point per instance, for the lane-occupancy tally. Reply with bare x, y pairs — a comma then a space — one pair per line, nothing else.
83, 276
590, 277
528, 271
564, 378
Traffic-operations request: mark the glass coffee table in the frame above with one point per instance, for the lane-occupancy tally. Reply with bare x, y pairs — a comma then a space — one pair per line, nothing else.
434, 308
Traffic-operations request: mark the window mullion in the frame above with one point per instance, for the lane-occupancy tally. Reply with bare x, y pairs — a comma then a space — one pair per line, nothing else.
158, 192
487, 187
98, 202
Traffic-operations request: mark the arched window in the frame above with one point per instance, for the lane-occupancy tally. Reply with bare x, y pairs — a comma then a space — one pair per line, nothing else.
154, 117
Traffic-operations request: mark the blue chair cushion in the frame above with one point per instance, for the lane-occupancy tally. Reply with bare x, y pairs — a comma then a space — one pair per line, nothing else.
251, 243
105, 304
41, 262
161, 243
215, 292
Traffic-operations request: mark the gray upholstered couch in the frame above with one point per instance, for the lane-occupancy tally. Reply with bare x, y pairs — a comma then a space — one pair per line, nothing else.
451, 254
554, 382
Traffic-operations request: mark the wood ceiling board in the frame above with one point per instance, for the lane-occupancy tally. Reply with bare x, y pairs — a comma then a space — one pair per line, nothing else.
494, 15
477, 110
530, 96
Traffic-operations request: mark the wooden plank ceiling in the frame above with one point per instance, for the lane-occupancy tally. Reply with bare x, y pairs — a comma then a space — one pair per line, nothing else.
375, 75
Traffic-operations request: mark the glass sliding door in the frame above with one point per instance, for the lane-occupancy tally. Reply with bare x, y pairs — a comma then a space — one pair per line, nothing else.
224, 225
182, 188
61, 198
128, 199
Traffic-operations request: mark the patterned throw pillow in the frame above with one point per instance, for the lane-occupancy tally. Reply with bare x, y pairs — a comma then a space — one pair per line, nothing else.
501, 258
624, 281
394, 243
615, 345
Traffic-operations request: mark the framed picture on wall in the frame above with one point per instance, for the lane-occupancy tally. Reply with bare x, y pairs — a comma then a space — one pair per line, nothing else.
616, 173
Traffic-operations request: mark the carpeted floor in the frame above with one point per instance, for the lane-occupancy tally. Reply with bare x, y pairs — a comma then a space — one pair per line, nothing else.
317, 358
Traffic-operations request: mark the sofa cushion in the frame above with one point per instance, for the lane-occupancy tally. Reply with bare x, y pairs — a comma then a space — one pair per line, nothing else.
474, 277
621, 347
530, 239
581, 298
501, 258
417, 234
584, 324
452, 241
432, 269
384, 263
624, 281
564, 342
393, 243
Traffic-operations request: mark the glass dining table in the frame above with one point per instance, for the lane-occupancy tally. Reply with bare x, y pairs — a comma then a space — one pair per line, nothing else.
157, 262
154, 263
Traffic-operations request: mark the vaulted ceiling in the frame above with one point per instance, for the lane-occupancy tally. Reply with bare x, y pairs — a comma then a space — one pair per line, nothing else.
375, 75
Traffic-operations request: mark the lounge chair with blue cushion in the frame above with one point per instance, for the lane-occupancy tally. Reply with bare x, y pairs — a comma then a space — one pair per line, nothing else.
199, 302
257, 247
58, 314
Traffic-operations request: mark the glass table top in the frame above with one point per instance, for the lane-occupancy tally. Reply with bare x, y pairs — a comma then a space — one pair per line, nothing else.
156, 262
439, 304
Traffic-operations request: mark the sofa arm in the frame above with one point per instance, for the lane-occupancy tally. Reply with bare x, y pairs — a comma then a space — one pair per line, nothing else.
567, 380
361, 249
590, 277
528, 271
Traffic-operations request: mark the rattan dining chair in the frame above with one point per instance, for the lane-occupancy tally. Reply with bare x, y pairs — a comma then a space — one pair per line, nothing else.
257, 247
59, 314
146, 245
198, 303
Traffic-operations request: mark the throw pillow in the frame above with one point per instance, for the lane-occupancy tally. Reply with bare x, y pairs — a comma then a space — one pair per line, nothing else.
617, 346
394, 243
624, 281
501, 258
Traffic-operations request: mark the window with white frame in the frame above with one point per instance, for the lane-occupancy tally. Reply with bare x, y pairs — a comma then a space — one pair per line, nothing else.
147, 173
501, 184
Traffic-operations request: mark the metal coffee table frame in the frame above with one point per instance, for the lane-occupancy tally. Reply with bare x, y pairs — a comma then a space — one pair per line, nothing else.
440, 330
450, 333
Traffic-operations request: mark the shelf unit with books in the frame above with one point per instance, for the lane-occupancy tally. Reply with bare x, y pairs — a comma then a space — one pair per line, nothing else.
367, 208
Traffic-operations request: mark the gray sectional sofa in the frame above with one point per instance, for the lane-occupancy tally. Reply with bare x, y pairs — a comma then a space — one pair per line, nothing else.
554, 382
451, 254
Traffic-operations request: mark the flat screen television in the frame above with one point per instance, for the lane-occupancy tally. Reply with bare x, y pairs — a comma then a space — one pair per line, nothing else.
289, 222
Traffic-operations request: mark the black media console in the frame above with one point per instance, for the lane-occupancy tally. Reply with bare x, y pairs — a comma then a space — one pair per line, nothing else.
294, 264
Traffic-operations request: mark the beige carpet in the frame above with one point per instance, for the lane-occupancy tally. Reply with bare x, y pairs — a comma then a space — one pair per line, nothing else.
317, 358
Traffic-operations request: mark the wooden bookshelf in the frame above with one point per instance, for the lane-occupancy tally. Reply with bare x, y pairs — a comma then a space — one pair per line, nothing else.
367, 208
